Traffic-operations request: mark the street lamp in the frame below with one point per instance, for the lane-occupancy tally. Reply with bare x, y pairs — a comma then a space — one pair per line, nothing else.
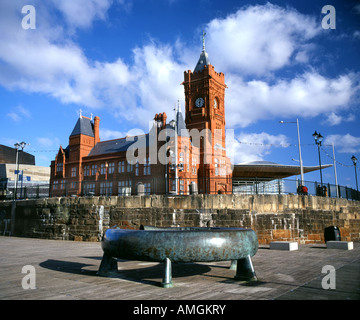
17, 163
318, 139
354, 160
300, 158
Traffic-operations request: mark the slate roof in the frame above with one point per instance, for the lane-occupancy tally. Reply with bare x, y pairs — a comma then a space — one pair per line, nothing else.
83, 126
203, 61
116, 145
181, 127
122, 144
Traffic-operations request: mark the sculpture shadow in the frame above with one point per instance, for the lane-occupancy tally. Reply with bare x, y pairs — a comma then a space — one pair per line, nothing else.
68, 267
141, 274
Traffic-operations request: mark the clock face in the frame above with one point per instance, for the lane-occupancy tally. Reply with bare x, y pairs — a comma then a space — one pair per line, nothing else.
215, 103
199, 102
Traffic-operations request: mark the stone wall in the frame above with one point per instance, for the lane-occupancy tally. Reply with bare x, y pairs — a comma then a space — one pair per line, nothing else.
273, 217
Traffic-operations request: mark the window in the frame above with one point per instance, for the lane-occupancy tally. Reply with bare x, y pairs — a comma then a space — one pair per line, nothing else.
121, 166
173, 185
89, 188
181, 161
222, 167
124, 188
55, 184
73, 171
93, 169
187, 161
59, 167
129, 167
182, 189
194, 162
137, 168
147, 188
106, 188
216, 167
86, 171
102, 168
73, 185
111, 167
147, 169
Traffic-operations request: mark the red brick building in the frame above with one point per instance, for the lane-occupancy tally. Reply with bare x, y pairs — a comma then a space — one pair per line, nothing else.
176, 157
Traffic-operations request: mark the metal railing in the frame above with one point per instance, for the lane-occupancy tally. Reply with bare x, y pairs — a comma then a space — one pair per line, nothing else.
291, 186
185, 187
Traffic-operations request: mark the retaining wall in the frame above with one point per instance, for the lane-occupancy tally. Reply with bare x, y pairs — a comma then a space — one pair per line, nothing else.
273, 217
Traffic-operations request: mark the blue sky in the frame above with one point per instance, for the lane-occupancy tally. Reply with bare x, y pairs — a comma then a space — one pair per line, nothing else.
123, 60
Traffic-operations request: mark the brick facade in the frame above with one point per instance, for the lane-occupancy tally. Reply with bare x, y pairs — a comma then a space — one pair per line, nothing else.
176, 157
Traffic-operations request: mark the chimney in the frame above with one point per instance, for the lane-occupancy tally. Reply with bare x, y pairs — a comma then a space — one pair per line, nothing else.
164, 119
96, 129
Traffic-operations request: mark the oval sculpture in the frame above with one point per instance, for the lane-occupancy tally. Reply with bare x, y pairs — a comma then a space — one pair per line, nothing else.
189, 244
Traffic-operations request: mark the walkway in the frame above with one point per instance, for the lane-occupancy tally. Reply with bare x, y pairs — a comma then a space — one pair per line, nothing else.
67, 270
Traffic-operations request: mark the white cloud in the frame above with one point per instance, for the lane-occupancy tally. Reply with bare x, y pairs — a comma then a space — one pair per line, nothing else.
46, 62
81, 13
333, 119
344, 143
18, 113
157, 86
308, 95
46, 142
248, 147
259, 39
108, 134
256, 40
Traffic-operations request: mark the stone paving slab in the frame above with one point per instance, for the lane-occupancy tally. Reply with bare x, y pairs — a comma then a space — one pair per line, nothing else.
66, 270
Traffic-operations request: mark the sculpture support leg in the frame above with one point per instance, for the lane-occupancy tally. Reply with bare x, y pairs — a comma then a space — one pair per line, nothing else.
233, 265
108, 266
167, 279
245, 270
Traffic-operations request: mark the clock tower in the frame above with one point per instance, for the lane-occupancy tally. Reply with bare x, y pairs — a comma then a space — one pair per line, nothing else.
204, 96
205, 109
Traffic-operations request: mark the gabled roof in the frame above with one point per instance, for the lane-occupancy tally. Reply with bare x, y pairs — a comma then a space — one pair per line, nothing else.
83, 126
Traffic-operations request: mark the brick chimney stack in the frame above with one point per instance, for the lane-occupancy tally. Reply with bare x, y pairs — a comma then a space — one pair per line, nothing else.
163, 118
96, 129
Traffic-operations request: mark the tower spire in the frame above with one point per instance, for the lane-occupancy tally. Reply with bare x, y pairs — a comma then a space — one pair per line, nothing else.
203, 40
204, 58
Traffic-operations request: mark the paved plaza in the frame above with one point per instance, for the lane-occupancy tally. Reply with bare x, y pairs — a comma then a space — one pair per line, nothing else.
67, 270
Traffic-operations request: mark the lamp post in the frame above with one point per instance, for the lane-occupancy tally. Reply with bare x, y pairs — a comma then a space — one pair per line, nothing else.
300, 158
318, 139
336, 182
354, 160
17, 163
173, 154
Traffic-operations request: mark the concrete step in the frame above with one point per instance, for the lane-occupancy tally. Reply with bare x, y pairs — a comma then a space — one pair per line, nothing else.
344, 245
284, 245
